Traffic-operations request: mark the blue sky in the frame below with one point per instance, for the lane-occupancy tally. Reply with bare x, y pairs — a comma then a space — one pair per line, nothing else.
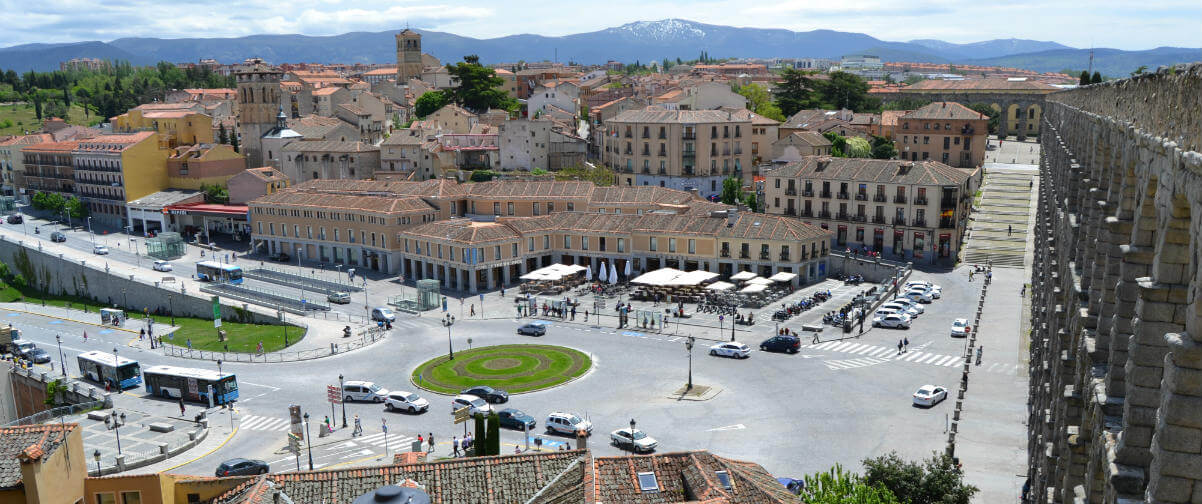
1123, 24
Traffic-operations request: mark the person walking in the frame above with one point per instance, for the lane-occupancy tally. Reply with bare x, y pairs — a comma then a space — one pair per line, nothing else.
358, 428
1009, 229
906, 343
454, 446
420, 440
899, 347
586, 315
431, 441
181, 406
473, 310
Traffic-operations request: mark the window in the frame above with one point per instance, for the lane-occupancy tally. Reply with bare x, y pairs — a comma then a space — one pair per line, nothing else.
724, 479
571, 206
672, 245
692, 246
550, 207
583, 243
309, 232
567, 242
514, 250
546, 242
496, 208
654, 245
621, 245
106, 498
509, 207
537, 208
529, 243
648, 483
496, 252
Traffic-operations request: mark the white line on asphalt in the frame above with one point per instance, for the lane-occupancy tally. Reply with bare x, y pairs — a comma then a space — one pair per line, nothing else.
991, 367
841, 347
912, 356
955, 362
944, 361
928, 359
865, 350
881, 351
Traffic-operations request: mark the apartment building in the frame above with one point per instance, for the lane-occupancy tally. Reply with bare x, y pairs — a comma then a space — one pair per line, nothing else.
902, 209
12, 161
947, 132
111, 170
48, 167
328, 159
192, 166
678, 149
177, 126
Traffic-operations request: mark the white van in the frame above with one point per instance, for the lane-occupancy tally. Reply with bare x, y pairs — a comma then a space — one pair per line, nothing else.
363, 391
567, 423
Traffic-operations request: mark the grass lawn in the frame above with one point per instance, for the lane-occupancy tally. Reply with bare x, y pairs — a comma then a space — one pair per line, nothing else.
240, 337
23, 117
514, 368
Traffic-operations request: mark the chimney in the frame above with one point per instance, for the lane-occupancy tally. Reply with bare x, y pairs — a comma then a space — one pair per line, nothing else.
823, 162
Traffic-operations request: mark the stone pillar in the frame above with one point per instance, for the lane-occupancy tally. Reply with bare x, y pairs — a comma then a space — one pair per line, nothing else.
471, 275
446, 275
1175, 474
489, 281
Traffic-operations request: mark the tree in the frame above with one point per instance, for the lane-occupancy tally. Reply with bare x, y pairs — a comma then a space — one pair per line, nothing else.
838, 144
478, 88
845, 90
839, 487
793, 92
482, 175
75, 208
1140, 70
215, 193
883, 148
429, 103
731, 188
751, 201
993, 114
760, 101
1097, 78
858, 148
479, 445
1084, 80
234, 140
222, 136
494, 434
936, 481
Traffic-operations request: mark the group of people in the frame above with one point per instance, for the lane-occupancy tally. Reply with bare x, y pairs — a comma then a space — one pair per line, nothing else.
865, 251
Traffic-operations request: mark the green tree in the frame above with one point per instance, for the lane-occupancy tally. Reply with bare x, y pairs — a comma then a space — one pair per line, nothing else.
936, 481
731, 189
494, 434
215, 193
883, 148
222, 136
845, 90
478, 88
429, 103
760, 101
794, 92
75, 208
858, 148
1140, 70
751, 201
1097, 78
480, 443
1084, 79
993, 114
838, 487
234, 140
598, 175
838, 144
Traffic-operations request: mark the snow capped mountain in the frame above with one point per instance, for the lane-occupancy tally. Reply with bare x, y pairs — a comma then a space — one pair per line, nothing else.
674, 30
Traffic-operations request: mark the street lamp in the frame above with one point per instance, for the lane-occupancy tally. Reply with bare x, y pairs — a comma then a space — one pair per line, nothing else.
448, 322
631, 434
117, 422
90, 231
308, 442
136, 256
126, 296
116, 364
61, 361
688, 345
340, 387
171, 305
96, 455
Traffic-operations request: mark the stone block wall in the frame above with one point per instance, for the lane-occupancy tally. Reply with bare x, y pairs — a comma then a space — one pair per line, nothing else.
1115, 401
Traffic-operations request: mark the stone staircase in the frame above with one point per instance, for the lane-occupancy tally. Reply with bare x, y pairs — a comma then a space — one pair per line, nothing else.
997, 231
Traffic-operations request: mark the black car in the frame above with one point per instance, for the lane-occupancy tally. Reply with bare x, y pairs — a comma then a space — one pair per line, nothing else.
15, 219
242, 467
532, 329
38, 356
787, 344
489, 394
516, 419
58, 237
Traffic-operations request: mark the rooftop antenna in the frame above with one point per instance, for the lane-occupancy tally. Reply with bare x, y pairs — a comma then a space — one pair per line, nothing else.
1091, 59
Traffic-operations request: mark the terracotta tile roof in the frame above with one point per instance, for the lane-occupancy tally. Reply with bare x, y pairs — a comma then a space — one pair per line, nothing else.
107, 142
53, 147
655, 114
889, 117
756, 119
169, 114
463, 231
329, 146
26, 140
944, 110
619, 195
354, 109
811, 138
883, 171
527, 189
324, 200
683, 477
438, 188
314, 120
980, 85
325, 91
267, 174
28, 443
381, 71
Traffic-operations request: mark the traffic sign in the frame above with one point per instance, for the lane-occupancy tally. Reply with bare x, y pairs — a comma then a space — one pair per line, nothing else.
462, 414
333, 394
293, 443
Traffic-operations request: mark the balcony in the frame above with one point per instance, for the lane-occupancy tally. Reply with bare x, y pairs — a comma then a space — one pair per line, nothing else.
824, 214
646, 171
878, 219
764, 256
724, 253
807, 213
899, 221
791, 192
947, 223
843, 195
947, 203
809, 193
791, 211
689, 135
627, 169
688, 171
825, 194
880, 198
784, 256
859, 218
920, 201
687, 155
920, 223
861, 196
744, 255
899, 199
842, 216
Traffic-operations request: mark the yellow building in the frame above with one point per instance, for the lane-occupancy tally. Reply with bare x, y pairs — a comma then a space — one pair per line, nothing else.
111, 170
181, 126
193, 166
42, 464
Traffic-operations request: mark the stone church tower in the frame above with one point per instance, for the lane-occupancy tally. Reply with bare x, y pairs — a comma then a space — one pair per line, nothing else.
258, 104
408, 56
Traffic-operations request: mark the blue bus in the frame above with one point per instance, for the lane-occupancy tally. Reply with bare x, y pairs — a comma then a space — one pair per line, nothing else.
213, 271
104, 367
190, 384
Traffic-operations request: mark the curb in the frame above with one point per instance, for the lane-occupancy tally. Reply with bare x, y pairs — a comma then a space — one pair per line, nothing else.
592, 366
117, 328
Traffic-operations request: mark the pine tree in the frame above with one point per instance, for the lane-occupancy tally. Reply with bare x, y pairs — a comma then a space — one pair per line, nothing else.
1084, 78
222, 137
494, 434
1097, 78
481, 441
234, 141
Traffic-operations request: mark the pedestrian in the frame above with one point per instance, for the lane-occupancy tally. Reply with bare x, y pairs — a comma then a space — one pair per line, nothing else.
181, 406
970, 275
586, 315
906, 342
899, 347
420, 440
141, 334
502, 291
454, 446
189, 343
329, 428
431, 441
85, 336
473, 312
1023, 293
1009, 229
358, 428
573, 313
1031, 184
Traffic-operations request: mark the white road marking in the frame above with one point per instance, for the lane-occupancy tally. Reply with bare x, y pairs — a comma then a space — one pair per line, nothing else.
727, 428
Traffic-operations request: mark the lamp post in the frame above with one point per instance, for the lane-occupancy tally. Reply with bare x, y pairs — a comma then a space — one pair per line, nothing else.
632, 435
96, 455
117, 422
136, 256
61, 362
90, 231
447, 322
308, 442
116, 364
126, 297
688, 345
340, 387
171, 307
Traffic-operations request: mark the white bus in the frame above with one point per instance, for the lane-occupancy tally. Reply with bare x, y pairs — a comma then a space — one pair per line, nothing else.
104, 367
191, 384
212, 271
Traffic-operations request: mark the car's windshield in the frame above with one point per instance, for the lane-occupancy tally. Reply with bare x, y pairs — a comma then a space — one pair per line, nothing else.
478, 402
385, 311
411, 397
638, 434
574, 419
373, 387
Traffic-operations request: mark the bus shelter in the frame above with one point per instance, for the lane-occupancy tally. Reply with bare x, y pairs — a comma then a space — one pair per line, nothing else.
166, 246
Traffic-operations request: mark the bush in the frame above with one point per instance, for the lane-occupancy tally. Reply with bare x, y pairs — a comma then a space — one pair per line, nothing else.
936, 481
482, 175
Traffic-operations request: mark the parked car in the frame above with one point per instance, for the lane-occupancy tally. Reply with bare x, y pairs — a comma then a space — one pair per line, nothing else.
400, 400
339, 297
959, 328
15, 219
363, 391
929, 395
58, 237
634, 440
22, 348
242, 467
281, 257
567, 423
731, 349
892, 320
162, 266
920, 295
492, 395
911, 303
793, 485
478, 406
901, 308
383, 313
38, 356
936, 291
787, 344
516, 419
890, 310
100, 250
532, 329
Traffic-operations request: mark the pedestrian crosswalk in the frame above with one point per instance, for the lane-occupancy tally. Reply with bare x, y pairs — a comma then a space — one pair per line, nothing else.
871, 355
264, 423
378, 440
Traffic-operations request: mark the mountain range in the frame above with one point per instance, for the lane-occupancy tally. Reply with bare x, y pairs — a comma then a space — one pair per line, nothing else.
642, 41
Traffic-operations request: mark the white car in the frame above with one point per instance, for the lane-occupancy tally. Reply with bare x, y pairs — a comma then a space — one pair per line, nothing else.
567, 423
935, 290
959, 328
890, 310
911, 303
732, 349
929, 395
401, 400
636, 441
363, 391
162, 266
478, 406
892, 320
100, 250
901, 308
920, 295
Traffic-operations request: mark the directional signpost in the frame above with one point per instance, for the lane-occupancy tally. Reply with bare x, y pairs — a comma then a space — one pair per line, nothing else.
334, 395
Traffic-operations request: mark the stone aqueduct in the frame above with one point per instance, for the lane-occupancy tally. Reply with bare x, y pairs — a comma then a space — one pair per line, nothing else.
1115, 404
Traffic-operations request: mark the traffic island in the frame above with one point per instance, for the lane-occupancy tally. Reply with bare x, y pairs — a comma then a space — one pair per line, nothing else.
514, 368
697, 393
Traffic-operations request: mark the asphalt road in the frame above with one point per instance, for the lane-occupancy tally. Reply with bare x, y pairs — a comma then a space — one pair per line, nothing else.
836, 402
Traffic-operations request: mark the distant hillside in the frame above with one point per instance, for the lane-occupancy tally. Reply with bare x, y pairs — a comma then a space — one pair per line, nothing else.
1110, 62
644, 41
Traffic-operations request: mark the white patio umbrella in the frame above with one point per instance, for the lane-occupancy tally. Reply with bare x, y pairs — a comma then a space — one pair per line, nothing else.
613, 275
601, 272
588, 274
627, 274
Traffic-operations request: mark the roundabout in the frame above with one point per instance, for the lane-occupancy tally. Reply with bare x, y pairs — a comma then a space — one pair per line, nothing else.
514, 368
